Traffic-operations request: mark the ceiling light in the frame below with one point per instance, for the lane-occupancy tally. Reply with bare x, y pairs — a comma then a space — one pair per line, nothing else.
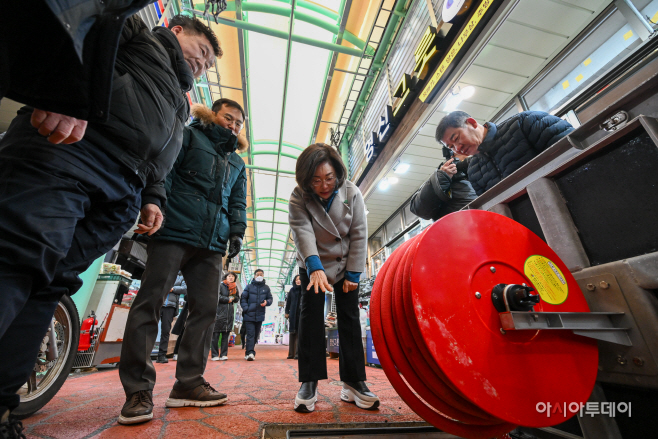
401, 168
384, 184
467, 92
393, 180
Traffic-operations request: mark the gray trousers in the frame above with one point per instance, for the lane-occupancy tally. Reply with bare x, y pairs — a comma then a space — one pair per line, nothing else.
201, 269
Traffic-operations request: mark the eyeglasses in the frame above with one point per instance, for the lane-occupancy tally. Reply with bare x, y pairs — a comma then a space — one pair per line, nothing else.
317, 182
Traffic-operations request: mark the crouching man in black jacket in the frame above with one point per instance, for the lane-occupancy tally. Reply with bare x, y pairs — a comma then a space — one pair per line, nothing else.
446, 191
64, 205
499, 150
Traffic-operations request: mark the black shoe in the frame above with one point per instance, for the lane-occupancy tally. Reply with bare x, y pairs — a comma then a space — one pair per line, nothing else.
289, 357
162, 359
10, 427
358, 393
203, 395
295, 357
306, 397
138, 408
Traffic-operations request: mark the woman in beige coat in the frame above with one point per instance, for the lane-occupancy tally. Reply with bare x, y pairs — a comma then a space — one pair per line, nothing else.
328, 221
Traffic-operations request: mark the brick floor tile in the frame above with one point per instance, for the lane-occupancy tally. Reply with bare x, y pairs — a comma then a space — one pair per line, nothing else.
193, 429
149, 429
234, 425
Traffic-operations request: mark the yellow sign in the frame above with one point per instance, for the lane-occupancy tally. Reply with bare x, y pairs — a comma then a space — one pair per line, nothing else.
454, 50
547, 279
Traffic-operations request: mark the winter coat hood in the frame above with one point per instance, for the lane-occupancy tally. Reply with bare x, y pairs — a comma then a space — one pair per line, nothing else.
206, 118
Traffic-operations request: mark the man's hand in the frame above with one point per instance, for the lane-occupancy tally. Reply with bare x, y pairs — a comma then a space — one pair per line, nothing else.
234, 246
151, 216
171, 291
449, 168
58, 127
319, 279
287, 315
264, 303
230, 300
349, 286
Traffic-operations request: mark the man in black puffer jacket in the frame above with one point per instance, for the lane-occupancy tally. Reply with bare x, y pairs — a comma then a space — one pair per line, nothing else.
255, 297
499, 150
206, 208
64, 205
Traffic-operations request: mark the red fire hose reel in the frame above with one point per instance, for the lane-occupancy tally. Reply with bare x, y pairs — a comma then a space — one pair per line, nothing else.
439, 307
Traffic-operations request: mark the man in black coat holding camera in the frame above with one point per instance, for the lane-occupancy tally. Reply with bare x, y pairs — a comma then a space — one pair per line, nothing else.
446, 191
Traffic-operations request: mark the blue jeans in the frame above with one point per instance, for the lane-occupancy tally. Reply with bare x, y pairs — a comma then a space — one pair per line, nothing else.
253, 330
61, 207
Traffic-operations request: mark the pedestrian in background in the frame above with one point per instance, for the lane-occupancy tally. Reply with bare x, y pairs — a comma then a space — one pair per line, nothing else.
255, 297
228, 296
167, 313
179, 328
292, 314
328, 223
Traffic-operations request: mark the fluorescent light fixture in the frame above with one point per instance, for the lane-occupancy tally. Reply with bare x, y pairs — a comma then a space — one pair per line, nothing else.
384, 184
467, 92
401, 168
393, 180
456, 97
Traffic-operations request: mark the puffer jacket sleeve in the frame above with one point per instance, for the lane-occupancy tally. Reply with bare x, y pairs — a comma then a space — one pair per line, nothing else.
244, 300
237, 205
223, 294
428, 200
543, 130
269, 297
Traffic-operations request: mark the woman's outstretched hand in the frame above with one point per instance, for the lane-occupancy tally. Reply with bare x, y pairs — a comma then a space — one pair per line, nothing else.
319, 279
349, 286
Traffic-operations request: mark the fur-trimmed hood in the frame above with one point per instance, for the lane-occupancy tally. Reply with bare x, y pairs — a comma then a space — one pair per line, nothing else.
207, 118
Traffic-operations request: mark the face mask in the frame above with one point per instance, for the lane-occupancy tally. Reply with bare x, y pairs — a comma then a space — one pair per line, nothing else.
259, 278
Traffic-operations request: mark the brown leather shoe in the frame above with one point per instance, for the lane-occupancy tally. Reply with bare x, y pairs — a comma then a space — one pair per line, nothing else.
201, 396
138, 408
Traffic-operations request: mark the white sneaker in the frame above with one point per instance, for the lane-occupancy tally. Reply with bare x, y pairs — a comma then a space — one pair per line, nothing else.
175, 357
251, 357
214, 359
224, 358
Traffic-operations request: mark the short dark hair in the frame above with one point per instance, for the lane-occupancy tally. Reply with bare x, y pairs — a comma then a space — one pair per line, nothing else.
235, 276
219, 103
454, 119
257, 270
196, 26
312, 157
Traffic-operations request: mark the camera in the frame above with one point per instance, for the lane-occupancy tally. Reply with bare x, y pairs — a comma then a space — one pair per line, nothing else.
461, 166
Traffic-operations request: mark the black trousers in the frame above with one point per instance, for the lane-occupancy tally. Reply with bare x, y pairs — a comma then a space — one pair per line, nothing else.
292, 345
167, 314
214, 344
201, 269
253, 331
61, 207
312, 345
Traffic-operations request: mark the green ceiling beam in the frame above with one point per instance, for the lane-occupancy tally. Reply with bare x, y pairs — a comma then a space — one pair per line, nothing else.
265, 248
272, 239
244, 25
274, 142
267, 221
263, 168
284, 154
270, 200
271, 208
315, 8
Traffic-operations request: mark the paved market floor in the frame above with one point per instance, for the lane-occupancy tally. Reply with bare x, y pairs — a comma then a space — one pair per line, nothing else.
260, 393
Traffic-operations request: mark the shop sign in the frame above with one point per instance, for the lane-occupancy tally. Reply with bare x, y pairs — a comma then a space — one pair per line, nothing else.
447, 61
423, 55
452, 8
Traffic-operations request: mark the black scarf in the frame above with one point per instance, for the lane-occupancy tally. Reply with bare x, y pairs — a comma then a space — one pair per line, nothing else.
168, 39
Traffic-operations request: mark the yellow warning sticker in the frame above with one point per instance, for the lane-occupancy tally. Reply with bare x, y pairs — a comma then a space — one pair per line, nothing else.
547, 279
